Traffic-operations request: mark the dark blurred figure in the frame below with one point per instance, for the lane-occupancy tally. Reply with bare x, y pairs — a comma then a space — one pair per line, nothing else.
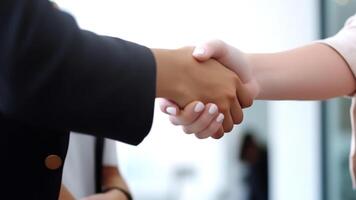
255, 156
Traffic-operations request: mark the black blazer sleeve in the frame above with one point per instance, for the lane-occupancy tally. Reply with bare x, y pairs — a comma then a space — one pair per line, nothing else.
54, 75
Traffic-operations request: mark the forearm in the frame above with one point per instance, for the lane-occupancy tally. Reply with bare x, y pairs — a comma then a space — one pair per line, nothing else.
57, 76
113, 178
312, 72
65, 194
168, 73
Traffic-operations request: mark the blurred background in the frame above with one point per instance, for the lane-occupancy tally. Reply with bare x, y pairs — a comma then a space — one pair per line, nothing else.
283, 150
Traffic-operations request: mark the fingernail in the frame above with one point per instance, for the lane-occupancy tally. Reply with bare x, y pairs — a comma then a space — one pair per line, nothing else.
213, 109
220, 118
199, 51
171, 110
199, 107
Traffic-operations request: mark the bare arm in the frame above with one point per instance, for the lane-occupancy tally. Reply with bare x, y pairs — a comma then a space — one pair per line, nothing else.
312, 72
112, 178
65, 194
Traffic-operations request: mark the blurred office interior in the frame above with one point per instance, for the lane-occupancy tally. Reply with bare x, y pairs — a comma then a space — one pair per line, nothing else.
307, 143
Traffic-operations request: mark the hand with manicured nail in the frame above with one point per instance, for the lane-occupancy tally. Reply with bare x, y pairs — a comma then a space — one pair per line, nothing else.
318, 71
208, 81
230, 57
206, 124
189, 117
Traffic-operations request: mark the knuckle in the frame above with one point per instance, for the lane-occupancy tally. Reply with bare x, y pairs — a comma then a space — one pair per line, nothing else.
249, 102
200, 135
174, 121
217, 135
240, 118
231, 96
215, 42
185, 121
224, 109
221, 45
228, 127
187, 130
246, 101
210, 131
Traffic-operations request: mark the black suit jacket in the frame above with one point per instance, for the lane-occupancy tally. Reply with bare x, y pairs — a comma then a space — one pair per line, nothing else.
56, 78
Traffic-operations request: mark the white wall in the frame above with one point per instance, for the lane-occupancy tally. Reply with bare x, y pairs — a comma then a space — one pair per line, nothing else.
294, 144
294, 132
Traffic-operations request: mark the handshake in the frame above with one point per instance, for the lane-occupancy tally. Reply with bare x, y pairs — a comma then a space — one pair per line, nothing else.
226, 80
205, 88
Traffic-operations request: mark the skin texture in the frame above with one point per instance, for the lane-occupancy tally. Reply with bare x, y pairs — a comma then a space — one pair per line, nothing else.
65, 194
311, 72
111, 178
183, 79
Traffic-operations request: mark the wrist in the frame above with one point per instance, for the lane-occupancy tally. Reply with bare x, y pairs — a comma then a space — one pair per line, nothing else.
118, 193
253, 85
242, 64
170, 72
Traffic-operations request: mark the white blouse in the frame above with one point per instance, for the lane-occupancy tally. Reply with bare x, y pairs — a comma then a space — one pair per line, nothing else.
344, 42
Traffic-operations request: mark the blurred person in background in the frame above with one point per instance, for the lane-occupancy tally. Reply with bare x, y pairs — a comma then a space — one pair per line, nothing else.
255, 157
91, 170
321, 70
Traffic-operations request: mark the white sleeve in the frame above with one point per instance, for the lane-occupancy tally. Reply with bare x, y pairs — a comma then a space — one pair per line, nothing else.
109, 153
344, 42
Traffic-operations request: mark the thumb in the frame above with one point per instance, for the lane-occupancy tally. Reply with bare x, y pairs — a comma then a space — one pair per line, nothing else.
168, 107
227, 55
211, 49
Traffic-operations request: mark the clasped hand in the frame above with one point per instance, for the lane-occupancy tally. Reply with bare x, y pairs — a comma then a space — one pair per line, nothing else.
223, 96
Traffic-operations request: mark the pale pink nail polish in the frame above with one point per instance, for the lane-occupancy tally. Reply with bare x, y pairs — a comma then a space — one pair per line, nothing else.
199, 107
213, 109
220, 118
171, 110
199, 51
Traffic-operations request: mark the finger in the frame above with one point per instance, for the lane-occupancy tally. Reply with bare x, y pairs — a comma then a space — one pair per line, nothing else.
227, 55
243, 94
204, 120
218, 134
236, 112
228, 123
168, 107
188, 116
211, 49
214, 126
